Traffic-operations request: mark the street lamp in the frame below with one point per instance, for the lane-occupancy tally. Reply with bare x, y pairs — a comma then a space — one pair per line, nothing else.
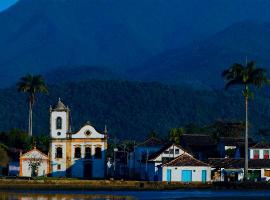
114, 150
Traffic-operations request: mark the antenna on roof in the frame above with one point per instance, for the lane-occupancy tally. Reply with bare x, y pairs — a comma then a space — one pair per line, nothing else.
105, 130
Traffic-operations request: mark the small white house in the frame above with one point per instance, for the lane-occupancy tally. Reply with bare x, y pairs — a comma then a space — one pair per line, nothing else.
34, 163
186, 169
164, 155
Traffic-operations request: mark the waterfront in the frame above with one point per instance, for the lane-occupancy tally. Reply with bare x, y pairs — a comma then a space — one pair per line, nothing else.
128, 195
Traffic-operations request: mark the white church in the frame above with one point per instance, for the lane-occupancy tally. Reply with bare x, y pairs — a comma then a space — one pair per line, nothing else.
80, 154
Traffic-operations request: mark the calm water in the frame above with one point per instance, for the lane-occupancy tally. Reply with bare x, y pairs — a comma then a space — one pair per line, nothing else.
129, 195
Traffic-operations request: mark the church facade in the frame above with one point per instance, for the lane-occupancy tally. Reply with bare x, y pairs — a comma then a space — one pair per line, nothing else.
80, 154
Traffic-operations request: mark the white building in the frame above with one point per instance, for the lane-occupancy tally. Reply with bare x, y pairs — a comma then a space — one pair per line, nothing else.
230, 169
259, 151
80, 154
164, 155
34, 163
186, 169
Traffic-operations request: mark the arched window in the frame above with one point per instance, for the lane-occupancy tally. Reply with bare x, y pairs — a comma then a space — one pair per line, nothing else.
87, 152
59, 153
58, 123
77, 153
98, 154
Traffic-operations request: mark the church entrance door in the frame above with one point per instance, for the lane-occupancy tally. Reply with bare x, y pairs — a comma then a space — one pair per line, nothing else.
87, 169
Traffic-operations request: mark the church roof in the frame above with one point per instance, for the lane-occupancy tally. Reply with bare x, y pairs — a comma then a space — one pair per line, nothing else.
60, 106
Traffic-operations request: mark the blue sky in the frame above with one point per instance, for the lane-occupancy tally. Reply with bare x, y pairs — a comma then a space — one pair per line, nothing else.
6, 3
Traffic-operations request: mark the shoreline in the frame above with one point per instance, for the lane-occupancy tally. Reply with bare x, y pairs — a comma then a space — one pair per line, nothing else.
117, 185
95, 185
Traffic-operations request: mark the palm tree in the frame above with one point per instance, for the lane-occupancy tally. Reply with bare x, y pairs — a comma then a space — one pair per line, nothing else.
245, 76
31, 84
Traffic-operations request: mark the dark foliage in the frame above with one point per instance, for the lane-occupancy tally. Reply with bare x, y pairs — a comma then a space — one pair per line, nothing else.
132, 109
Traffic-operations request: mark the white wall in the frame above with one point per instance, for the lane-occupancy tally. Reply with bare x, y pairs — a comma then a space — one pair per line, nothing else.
176, 173
28, 158
58, 161
64, 130
261, 151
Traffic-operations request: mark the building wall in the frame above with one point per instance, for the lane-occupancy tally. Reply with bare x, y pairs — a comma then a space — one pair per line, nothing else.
64, 130
76, 165
261, 153
27, 171
56, 162
176, 173
136, 167
170, 155
30, 157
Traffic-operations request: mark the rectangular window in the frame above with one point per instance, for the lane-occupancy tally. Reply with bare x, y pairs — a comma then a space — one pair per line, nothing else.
98, 153
256, 154
170, 151
267, 173
266, 154
58, 167
176, 151
77, 153
166, 152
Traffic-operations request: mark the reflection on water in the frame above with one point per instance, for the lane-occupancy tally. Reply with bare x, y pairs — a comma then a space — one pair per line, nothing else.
130, 195
19, 196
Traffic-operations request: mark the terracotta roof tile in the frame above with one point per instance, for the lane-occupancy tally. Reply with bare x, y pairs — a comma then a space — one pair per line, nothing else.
262, 145
232, 163
185, 160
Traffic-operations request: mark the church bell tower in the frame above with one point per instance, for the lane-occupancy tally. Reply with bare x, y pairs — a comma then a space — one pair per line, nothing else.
59, 120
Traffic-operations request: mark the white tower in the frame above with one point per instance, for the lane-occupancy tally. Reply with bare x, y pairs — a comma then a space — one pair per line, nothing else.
59, 120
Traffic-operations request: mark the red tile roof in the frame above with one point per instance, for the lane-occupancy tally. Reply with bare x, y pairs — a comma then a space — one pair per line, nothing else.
185, 160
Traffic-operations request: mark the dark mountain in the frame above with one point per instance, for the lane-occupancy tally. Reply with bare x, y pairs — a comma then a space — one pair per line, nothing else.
78, 73
203, 62
132, 109
44, 34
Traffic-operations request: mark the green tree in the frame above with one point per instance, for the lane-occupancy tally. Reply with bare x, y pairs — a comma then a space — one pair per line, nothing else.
32, 84
153, 134
175, 135
19, 139
245, 76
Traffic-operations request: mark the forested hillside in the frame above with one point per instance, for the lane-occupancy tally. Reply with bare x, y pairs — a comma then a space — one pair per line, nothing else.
132, 109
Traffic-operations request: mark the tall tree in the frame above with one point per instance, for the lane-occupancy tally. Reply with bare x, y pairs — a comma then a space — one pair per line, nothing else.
245, 76
32, 84
175, 135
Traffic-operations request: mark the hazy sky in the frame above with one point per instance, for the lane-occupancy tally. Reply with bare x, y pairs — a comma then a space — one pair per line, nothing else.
6, 3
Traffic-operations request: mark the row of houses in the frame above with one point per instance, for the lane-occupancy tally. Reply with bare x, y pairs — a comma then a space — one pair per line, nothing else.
197, 157
205, 160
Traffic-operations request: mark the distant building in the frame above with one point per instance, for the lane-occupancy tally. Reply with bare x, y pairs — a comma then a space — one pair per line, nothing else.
34, 163
260, 151
201, 146
13, 168
232, 147
79, 154
140, 153
232, 169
